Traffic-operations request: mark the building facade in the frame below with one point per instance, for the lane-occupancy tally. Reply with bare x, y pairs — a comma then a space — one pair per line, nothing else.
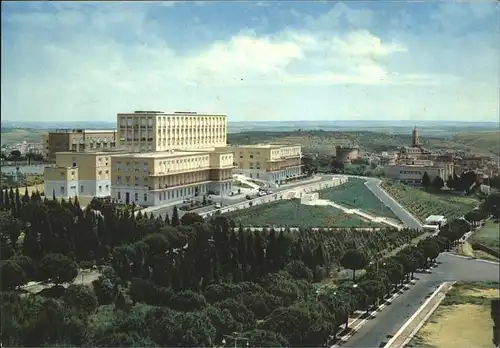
346, 154
412, 172
156, 178
143, 131
275, 163
79, 174
79, 140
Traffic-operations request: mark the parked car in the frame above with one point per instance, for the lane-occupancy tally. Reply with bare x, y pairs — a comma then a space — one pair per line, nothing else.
217, 205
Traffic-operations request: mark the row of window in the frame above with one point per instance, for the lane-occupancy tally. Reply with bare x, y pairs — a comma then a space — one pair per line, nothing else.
82, 189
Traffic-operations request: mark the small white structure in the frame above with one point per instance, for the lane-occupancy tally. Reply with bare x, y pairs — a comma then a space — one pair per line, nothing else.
435, 220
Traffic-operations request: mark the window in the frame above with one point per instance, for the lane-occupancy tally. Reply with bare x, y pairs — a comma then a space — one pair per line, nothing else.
145, 197
100, 188
81, 188
136, 196
119, 195
62, 190
107, 187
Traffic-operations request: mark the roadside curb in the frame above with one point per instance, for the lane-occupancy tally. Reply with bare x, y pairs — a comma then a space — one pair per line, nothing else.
358, 322
400, 332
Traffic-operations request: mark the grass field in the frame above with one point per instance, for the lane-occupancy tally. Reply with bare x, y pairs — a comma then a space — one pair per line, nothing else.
482, 140
422, 204
462, 320
292, 213
324, 142
354, 194
18, 135
488, 235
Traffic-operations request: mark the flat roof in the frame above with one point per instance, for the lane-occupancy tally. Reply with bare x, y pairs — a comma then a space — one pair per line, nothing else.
165, 154
112, 151
174, 113
265, 146
435, 218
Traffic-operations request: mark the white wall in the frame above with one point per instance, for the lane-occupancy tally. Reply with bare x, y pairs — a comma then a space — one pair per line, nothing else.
269, 176
163, 196
54, 186
91, 188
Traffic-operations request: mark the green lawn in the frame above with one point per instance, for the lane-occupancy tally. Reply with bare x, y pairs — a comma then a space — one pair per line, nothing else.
488, 235
292, 213
354, 194
422, 204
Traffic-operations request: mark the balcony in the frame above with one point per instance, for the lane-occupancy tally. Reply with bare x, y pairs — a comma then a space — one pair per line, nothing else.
180, 171
284, 167
176, 186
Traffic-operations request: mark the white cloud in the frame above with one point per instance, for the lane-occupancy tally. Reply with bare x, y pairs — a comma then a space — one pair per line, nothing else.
70, 66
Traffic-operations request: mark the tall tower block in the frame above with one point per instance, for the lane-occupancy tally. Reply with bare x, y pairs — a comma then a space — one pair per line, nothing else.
415, 138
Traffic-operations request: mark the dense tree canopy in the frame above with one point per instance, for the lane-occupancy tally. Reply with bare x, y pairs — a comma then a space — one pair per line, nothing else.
188, 281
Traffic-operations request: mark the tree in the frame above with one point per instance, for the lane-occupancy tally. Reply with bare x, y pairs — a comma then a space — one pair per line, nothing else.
15, 155
58, 268
354, 260
450, 183
11, 275
426, 181
175, 218
437, 183
190, 218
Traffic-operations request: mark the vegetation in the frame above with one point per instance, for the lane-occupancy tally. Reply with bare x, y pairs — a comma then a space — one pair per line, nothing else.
488, 235
324, 142
462, 320
297, 215
422, 204
187, 282
355, 194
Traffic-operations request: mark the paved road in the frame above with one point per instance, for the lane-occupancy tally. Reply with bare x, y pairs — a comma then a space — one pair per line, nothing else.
374, 185
388, 322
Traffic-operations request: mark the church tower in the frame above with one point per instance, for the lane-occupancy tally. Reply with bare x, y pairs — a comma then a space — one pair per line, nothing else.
415, 138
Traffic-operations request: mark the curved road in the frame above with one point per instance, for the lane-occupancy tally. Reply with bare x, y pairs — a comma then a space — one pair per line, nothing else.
387, 322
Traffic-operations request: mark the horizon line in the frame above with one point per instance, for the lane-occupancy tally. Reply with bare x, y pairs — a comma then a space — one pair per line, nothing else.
265, 121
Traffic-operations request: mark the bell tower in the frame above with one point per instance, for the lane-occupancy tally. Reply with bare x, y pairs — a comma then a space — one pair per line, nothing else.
415, 138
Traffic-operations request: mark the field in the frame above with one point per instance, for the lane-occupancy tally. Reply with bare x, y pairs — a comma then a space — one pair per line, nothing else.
488, 235
354, 194
324, 142
483, 140
422, 204
462, 320
293, 214
17, 135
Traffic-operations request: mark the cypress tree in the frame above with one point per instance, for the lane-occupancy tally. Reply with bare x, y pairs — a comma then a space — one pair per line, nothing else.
175, 218
167, 219
26, 197
2, 201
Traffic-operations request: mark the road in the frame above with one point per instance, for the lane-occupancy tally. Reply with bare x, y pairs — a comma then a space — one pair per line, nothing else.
387, 322
228, 201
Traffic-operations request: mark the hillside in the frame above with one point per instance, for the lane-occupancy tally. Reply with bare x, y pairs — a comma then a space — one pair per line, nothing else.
325, 142
10, 136
482, 140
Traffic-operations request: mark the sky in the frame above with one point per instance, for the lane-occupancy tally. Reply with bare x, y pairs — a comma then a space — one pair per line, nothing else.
254, 61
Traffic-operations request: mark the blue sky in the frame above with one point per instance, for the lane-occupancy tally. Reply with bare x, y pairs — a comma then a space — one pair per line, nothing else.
252, 60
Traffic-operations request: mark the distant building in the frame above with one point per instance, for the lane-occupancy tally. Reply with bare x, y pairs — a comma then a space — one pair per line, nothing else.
346, 154
79, 140
412, 162
275, 163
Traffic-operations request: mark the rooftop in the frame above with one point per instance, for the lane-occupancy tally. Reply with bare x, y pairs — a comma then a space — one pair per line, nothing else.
435, 218
174, 113
164, 154
79, 130
265, 146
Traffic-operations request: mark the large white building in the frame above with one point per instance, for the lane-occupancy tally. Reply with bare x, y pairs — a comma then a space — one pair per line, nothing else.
413, 171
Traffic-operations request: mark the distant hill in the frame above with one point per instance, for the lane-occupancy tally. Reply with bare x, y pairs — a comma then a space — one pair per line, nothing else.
10, 136
481, 140
325, 142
